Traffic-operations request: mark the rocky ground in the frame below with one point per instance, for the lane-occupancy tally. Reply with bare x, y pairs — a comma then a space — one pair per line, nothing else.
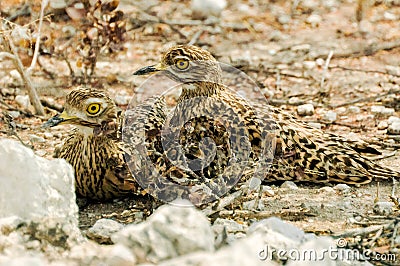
335, 64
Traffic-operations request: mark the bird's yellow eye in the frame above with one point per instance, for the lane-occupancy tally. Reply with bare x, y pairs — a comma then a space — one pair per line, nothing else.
93, 108
182, 64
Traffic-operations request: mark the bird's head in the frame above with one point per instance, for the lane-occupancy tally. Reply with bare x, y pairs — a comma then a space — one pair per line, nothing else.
186, 64
86, 109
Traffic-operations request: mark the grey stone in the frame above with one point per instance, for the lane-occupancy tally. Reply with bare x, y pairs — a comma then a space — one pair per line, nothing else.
254, 183
327, 189
245, 251
394, 128
289, 185
305, 109
230, 225
275, 224
382, 110
393, 119
169, 232
46, 186
268, 191
35, 138
383, 207
330, 116
102, 230
382, 125
354, 109
312, 253
342, 188
315, 125
23, 101
284, 19
314, 20
206, 8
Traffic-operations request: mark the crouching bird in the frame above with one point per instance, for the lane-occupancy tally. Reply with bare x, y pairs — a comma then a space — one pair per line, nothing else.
93, 147
301, 153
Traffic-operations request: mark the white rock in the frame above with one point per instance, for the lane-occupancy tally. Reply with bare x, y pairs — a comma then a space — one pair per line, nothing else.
393, 119
315, 125
23, 101
169, 232
314, 20
394, 128
254, 183
14, 114
305, 109
205, 8
320, 62
122, 99
230, 225
241, 252
34, 187
389, 15
316, 250
330, 116
284, 19
58, 4
290, 185
290, 232
309, 64
90, 253
15, 75
48, 135
382, 110
327, 190
354, 109
383, 207
382, 125
343, 188
268, 191
102, 230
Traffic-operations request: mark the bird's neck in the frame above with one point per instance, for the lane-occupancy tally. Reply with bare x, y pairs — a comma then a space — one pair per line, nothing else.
200, 89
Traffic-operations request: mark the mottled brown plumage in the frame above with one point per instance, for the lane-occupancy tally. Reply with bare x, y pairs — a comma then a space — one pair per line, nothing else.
94, 151
301, 153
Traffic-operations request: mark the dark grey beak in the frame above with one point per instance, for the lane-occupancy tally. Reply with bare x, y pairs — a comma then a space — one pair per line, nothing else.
147, 70
52, 122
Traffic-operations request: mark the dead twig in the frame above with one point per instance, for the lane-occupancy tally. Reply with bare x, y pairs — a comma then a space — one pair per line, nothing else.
33, 96
363, 70
365, 99
38, 37
195, 37
325, 71
12, 128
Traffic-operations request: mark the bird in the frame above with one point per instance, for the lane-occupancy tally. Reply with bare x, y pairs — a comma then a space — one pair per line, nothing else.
94, 147
289, 148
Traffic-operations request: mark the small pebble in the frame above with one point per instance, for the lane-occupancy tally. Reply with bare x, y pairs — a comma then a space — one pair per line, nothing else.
284, 19
314, 20
14, 114
290, 185
393, 119
382, 125
315, 125
15, 75
354, 109
47, 135
327, 189
309, 64
341, 110
305, 109
383, 207
255, 183
343, 188
35, 138
330, 116
394, 128
320, 62
389, 16
23, 101
268, 191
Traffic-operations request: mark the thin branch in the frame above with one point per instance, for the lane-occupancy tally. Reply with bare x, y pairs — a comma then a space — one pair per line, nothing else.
328, 60
37, 44
33, 96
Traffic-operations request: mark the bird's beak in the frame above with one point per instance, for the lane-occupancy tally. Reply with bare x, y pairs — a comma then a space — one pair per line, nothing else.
62, 118
150, 69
